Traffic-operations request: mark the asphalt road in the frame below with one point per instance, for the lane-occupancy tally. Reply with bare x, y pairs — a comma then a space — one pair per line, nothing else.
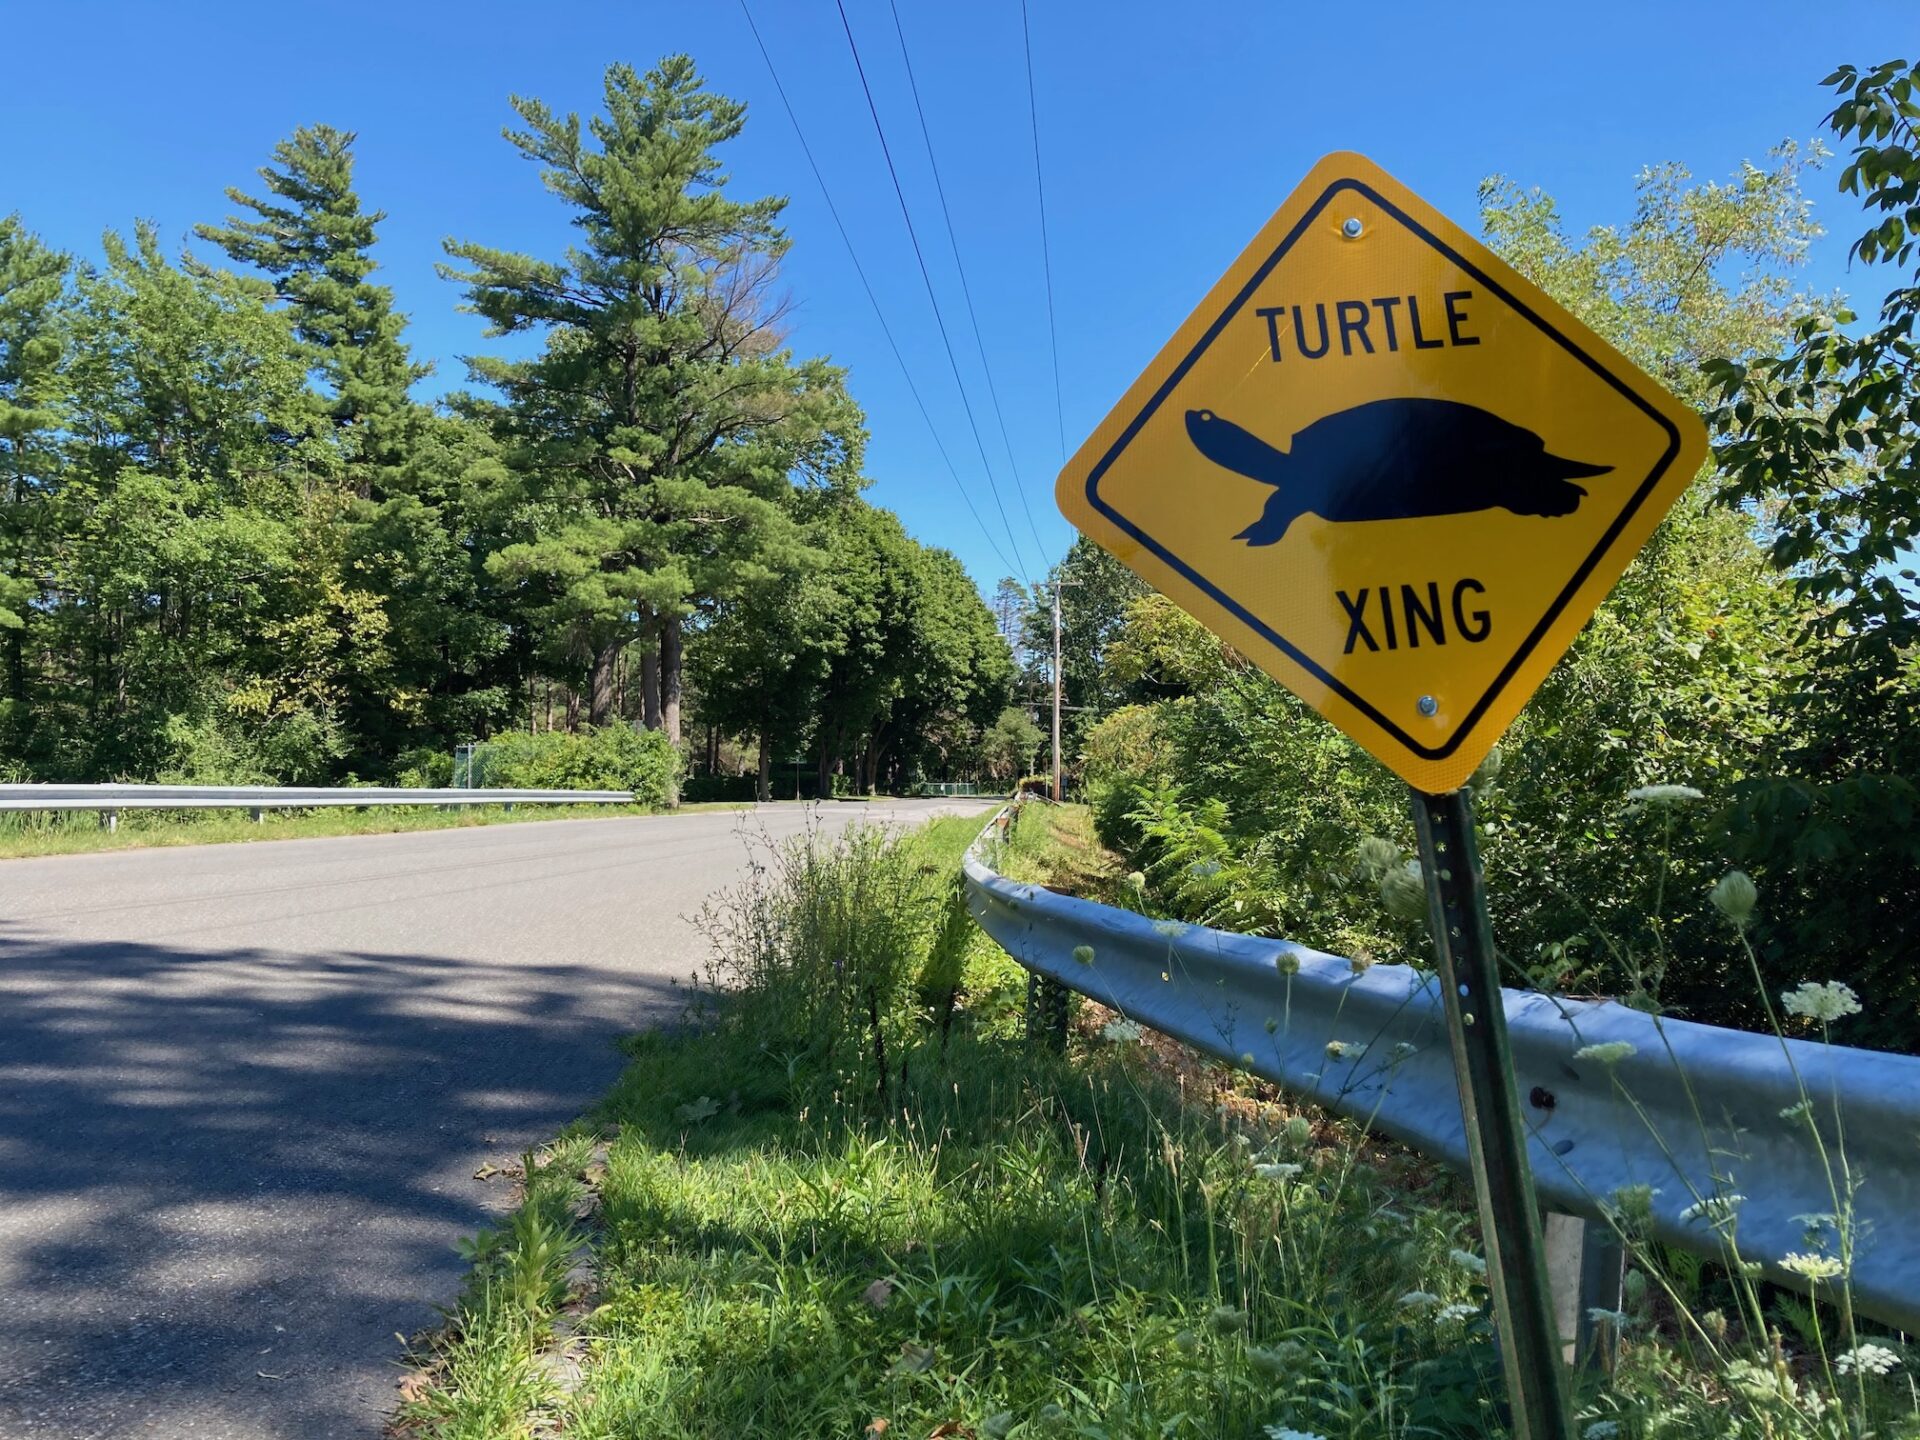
244, 1090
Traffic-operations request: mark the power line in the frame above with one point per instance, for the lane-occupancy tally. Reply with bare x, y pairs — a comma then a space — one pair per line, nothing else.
966, 291
1046, 255
926, 278
872, 299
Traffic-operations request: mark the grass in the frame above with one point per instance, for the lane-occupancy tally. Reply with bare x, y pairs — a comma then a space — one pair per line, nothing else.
24, 834
851, 1201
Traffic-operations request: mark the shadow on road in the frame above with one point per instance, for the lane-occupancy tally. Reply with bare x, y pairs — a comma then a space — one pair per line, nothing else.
228, 1177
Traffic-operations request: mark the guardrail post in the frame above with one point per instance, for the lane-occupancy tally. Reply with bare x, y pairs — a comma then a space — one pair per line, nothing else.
1046, 1012
259, 815
1565, 1239
1603, 1276
110, 820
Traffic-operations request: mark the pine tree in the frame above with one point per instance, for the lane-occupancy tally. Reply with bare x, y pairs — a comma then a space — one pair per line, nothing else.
313, 238
658, 436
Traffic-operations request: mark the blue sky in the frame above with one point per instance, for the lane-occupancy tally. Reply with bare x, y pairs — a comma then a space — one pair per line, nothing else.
1169, 133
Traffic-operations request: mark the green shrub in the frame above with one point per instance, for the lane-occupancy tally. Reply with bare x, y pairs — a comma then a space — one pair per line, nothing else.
1129, 744
818, 951
701, 788
423, 769
614, 757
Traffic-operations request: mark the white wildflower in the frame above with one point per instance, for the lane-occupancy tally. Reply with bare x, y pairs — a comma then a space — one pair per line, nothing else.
1419, 1300
1285, 1432
1867, 1359
1359, 964
1812, 1225
1468, 1261
1270, 1362
1204, 869
1279, 1171
1171, 929
1447, 1314
1811, 1267
1714, 1208
1611, 1053
1798, 1112
1601, 1430
1658, 795
1287, 962
1734, 895
1402, 1051
1121, 1032
1137, 882
1404, 892
1344, 1050
1760, 1382
1822, 1003
1619, 1319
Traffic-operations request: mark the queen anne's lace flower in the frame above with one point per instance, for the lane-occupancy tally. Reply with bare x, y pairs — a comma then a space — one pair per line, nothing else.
1467, 1260
1664, 795
1404, 891
1418, 1300
1619, 1319
1867, 1359
1601, 1430
1457, 1311
1714, 1208
1811, 1267
1283, 1432
1283, 1170
1121, 1032
1734, 895
1821, 1003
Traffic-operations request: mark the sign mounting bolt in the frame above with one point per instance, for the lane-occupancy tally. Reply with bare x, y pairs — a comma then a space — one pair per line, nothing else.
1428, 706
1352, 228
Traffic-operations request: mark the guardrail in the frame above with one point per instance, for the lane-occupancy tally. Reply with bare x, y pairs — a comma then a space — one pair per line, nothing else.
1691, 1111
110, 800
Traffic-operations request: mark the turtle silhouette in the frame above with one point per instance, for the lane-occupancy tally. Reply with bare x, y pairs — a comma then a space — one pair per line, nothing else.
1395, 460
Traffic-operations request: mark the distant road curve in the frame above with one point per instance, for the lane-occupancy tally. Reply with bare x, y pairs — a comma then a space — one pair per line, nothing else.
244, 1090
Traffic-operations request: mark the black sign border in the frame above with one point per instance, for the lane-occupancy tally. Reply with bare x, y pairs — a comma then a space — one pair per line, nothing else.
1259, 626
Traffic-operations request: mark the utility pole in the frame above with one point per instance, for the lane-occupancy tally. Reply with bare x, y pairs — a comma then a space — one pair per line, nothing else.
1059, 792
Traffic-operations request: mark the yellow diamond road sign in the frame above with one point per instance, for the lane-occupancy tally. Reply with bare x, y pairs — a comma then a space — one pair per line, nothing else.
1388, 469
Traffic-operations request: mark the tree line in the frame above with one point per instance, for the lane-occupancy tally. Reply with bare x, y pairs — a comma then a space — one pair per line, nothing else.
235, 547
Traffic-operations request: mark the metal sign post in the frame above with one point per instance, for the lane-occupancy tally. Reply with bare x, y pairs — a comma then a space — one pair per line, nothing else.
1496, 1134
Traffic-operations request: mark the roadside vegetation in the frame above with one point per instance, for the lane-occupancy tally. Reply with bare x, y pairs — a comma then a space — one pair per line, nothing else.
1748, 698
850, 1198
